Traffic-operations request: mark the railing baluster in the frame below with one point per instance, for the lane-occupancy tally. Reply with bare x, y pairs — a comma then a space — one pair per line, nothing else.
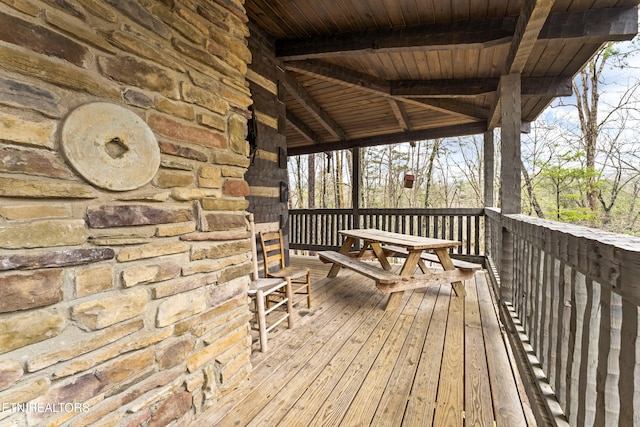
317, 229
428, 226
628, 363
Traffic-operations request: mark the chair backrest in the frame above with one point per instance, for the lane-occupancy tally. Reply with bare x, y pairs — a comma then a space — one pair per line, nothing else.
254, 249
272, 249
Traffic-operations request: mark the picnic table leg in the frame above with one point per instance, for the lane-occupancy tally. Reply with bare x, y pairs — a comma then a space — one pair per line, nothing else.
394, 300
346, 247
407, 270
377, 249
363, 250
447, 264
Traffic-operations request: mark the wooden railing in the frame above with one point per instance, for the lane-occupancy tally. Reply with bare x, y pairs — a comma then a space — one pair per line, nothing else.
573, 295
317, 229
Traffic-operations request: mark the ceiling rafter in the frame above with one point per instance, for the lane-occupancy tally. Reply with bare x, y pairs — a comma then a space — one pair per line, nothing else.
441, 95
309, 103
401, 115
532, 18
354, 79
302, 128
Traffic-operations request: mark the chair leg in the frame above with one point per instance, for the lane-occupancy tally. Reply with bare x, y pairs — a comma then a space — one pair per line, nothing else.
308, 289
262, 321
289, 294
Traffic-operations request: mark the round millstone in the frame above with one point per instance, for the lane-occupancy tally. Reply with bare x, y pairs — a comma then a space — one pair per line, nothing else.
110, 146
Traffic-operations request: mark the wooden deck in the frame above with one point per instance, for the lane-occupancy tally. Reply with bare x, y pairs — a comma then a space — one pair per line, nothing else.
438, 360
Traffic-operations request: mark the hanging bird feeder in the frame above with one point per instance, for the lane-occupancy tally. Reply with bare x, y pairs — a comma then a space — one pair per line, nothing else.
408, 180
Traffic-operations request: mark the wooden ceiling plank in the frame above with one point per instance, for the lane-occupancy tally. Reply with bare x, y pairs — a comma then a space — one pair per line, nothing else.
303, 97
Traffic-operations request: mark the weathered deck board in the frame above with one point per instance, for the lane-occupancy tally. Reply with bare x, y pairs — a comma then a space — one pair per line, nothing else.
478, 407
348, 362
507, 404
391, 407
422, 400
450, 406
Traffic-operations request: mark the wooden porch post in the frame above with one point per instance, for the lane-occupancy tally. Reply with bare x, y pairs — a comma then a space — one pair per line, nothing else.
510, 165
355, 186
489, 170
510, 172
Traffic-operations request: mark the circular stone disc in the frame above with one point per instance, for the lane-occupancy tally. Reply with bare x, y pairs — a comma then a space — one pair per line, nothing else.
110, 146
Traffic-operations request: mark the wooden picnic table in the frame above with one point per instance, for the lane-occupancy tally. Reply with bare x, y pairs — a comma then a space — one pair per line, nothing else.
382, 245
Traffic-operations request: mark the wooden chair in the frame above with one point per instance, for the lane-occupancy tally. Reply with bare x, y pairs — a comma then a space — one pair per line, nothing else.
265, 291
273, 250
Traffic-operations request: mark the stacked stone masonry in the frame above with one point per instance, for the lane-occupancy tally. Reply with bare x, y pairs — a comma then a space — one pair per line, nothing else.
123, 308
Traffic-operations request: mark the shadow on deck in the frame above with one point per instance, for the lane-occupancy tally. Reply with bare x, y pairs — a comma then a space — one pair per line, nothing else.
437, 360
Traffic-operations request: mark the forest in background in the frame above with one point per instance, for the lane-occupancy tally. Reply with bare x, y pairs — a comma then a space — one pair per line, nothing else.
580, 161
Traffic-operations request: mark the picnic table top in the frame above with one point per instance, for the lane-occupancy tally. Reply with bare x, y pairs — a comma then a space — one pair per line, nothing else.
407, 241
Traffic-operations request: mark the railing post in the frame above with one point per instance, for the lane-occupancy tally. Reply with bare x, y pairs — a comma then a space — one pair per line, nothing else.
355, 189
355, 192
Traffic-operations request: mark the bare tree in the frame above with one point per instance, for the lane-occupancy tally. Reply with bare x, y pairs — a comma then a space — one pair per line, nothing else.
587, 93
311, 167
435, 148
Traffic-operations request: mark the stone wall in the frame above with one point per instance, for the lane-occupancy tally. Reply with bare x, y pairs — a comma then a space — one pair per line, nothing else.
123, 307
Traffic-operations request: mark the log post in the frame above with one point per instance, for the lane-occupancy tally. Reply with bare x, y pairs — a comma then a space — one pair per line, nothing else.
511, 163
355, 186
488, 168
489, 172
510, 172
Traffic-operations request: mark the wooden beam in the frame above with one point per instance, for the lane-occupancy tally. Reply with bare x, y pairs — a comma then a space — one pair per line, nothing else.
303, 97
466, 109
302, 128
433, 36
341, 75
446, 88
552, 86
401, 115
618, 23
610, 24
532, 17
493, 120
415, 135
